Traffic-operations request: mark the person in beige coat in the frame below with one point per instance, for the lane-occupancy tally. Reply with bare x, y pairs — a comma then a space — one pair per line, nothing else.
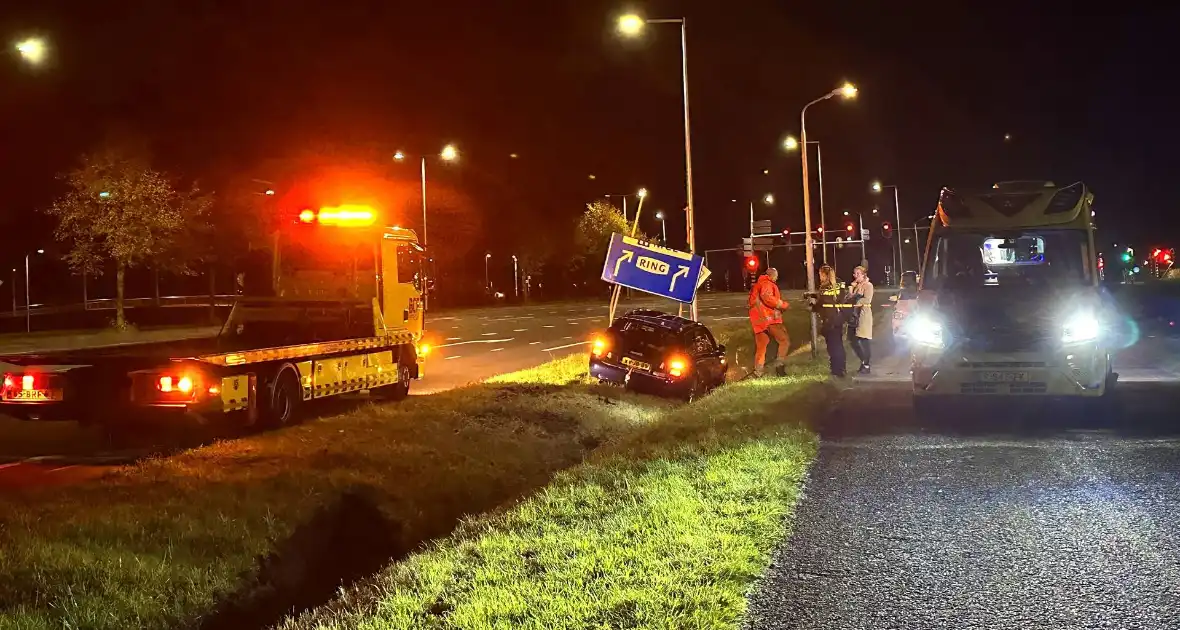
860, 325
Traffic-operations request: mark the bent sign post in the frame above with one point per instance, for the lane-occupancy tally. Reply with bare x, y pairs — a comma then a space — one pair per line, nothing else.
652, 269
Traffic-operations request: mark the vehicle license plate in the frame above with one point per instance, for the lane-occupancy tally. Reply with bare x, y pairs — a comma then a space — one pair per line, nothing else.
639, 365
1004, 377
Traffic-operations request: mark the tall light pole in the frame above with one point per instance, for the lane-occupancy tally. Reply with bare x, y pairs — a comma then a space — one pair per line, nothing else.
487, 283
28, 293
791, 144
663, 226
877, 187
917, 251
515, 277
847, 91
632, 25
14, 291
448, 154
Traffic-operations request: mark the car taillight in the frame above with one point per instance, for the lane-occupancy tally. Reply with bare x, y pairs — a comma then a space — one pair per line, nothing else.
28, 382
677, 367
9, 382
599, 346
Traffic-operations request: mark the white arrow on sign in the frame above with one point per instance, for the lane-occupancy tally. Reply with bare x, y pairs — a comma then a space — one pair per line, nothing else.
680, 273
627, 255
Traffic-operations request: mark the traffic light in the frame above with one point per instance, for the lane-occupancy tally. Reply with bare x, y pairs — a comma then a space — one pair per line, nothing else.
751, 264
1126, 257
820, 229
786, 232
885, 227
849, 227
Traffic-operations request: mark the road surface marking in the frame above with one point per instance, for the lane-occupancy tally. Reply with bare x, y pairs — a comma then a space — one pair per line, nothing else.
10, 465
454, 327
521, 330
547, 326
61, 468
496, 349
463, 343
533, 343
457, 356
454, 339
443, 319
488, 334
570, 337
568, 345
731, 317
508, 319
574, 319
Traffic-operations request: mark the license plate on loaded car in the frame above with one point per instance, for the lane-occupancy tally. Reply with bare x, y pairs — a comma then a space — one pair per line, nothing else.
34, 395
1003, 377
638, 365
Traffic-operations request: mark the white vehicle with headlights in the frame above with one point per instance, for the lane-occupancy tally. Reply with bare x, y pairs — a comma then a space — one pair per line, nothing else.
1009, 304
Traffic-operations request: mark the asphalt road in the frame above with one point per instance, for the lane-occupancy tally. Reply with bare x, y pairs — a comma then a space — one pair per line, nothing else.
1005, 517
467, 346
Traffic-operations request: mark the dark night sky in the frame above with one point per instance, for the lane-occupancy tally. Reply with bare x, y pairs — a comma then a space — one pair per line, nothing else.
221, 85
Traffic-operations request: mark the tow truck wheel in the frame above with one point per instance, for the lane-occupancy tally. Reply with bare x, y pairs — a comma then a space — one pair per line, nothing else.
399, 390
282, 407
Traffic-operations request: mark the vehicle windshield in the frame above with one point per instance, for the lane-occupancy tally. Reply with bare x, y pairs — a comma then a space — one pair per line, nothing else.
1020, 258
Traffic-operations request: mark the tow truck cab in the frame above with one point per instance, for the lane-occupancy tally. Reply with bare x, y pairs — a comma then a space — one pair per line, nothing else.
338, 310
1008, 301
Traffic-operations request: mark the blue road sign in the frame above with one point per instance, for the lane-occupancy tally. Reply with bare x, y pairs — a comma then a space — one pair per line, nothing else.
652, 269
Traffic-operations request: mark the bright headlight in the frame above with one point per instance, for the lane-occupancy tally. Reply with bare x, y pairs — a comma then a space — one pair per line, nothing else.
923, 329
1081, 327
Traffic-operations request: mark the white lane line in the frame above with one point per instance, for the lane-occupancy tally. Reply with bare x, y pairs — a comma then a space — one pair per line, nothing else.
568, 345
521, 330
575, 319
548, 326
497, 349
463, 343
454, 339
454, 327
569, 337
533, 343
443, 319
717, 319
488, 334
61, 468
509, 319
457, 356
10, 465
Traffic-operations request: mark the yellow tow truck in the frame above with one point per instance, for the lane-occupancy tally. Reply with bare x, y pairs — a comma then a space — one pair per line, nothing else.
339, 311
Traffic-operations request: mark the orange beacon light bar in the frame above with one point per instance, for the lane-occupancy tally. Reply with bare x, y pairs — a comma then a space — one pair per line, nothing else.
343, 216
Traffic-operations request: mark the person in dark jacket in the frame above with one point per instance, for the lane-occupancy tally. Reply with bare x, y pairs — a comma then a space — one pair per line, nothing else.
831, 304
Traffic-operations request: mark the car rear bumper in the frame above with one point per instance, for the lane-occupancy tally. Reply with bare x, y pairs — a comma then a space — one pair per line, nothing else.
610, 372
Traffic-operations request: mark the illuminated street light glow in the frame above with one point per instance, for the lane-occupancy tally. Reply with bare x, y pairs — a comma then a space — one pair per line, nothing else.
270, 191
768, 199
766, 171
631, 25
32, 50
790, 143
659, 215
642, 193
449, 153
399, 156
876, 186
591, 176
848, 90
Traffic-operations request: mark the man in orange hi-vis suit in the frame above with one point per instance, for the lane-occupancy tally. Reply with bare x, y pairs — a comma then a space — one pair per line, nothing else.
766, 306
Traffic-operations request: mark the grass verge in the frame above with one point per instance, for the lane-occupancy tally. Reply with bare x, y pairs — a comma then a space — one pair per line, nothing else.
169, 542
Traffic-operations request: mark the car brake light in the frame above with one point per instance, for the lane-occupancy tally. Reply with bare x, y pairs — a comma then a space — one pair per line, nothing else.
8, 382
677, 366
27, 382
599, 346
185, 384
165, 384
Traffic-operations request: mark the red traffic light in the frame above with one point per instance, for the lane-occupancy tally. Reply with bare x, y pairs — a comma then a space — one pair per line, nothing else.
885, 226
752, 263
849, 227
1167, 258
786, 232
820, 229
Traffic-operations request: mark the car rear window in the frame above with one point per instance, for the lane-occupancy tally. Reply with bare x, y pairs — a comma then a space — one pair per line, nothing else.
645, 338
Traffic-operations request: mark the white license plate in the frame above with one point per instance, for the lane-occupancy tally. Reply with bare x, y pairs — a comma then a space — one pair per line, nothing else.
1004, 377
639, 365
31, 395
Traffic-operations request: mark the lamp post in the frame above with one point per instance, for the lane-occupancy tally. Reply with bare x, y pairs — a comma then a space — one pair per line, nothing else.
877, 187
14, 291
515, 277
864, 257
487, 283
847, 91
663, 226
33, 50
28, 293
791, 144
917, 251
448, 154
632, 25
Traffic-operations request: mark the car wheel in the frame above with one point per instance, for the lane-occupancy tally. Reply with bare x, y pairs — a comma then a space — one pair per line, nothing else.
695, 390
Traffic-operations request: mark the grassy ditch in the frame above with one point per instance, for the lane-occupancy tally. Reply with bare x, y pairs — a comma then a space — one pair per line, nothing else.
237, 533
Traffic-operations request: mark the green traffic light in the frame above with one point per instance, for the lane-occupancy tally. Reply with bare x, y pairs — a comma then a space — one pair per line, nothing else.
1126, 257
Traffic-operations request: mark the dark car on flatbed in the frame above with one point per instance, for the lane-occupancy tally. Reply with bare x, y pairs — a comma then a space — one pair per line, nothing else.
659, 353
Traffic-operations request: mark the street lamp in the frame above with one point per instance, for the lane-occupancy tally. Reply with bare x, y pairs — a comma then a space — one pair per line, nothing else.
917, 251
663, 226
877, 187
791, 144
448, 154
33, 50
28, 292
487, 283
846, 91
515, 277
631, 26
861, 223
641, 194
